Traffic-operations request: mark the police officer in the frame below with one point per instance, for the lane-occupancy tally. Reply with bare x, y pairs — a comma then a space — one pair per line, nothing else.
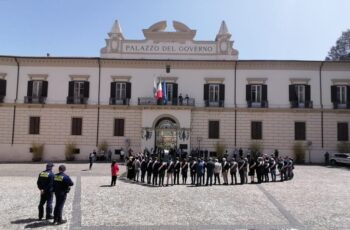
45, 185
177, 167
61, 187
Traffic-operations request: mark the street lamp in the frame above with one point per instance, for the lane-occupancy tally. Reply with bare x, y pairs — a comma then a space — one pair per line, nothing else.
309, 144
199, 139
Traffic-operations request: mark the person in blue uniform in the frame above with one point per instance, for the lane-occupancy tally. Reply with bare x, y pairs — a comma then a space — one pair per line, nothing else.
61, 187
45, 185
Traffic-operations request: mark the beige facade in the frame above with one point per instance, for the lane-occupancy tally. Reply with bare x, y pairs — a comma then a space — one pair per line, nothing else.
188, 67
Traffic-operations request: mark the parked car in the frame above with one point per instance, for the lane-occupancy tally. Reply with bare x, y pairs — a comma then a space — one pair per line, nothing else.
341, 158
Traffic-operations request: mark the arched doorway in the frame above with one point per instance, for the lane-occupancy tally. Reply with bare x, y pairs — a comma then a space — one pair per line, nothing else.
166, 133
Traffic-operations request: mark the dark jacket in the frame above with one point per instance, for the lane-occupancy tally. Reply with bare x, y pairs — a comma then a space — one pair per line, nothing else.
210, 168
62, 183
45, 181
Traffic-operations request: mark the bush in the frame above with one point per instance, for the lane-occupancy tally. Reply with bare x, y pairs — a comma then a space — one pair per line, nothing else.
220, 149
69, 151
343, 147
103, 146
255, 147
299, 152
37, 151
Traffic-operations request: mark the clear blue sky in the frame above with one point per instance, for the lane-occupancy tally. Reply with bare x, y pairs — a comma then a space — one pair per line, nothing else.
261, 29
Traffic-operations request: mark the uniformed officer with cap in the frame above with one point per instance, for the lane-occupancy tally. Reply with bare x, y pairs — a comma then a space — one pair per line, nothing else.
61, 186
45, 185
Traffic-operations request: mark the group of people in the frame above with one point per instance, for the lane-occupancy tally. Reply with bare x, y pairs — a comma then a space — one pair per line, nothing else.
263, 167
49, 183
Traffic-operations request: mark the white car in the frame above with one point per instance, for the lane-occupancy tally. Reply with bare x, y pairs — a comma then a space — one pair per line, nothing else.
343, 158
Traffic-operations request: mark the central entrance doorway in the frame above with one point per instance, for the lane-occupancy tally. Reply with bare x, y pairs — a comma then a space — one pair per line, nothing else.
166, 134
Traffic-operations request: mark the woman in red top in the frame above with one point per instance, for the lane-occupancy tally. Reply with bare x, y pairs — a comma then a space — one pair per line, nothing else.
114, 170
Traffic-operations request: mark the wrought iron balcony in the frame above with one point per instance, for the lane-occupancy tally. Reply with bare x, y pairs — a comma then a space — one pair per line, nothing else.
34, 100
262, 104
306, 104
220, 103
77, 100
338, 105
115, 101
174, 102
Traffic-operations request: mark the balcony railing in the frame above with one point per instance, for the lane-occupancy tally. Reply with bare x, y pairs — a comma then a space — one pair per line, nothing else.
115, 101
77, 100
338, 105
306, 104
153, 101
252, 104
34, 100
220, 103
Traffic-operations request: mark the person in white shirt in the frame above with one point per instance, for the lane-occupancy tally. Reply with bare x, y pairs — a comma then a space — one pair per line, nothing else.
217, 170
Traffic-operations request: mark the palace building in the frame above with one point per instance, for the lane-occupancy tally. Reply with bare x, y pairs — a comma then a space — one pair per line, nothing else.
209, 97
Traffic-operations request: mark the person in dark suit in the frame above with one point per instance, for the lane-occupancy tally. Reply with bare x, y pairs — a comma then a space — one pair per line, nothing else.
241, 163
210, 171
155, 172
193, 168
143, 169
200, 171
161, 170
225, 168
177, 167
184, 169
149, 171
45, 185
233, 170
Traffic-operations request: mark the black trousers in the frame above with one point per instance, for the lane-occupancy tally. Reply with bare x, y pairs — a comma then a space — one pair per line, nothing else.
114, 180
193, 178
233, 175
176, 177
161, 179
46, 197
143, 173
216, 176
155, 177
149, 177
91, 162
60, 200
241, 175
209, 178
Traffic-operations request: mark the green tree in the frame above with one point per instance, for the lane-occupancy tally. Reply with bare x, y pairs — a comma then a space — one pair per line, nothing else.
341, 50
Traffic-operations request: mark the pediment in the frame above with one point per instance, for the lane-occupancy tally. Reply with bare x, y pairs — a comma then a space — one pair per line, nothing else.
157, 33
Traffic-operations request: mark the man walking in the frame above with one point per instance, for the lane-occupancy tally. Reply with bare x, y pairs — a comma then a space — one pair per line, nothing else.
61, 187
45, 185
210, 171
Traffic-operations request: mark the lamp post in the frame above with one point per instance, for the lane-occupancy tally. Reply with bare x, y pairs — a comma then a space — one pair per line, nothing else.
199, 139
309, 144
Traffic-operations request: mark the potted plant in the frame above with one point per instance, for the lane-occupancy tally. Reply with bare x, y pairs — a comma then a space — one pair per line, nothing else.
343, 147
37, 151
219, 149
255, 147
102, 147
69, 151
299, 152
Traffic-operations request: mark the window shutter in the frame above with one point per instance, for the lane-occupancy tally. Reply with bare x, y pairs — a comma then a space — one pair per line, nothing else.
86, 89
2, 87
71, 89
30, 89
222, 92
264, 93
299, 131
292, 93
206, 92
248, 92
307, 93
343, 131
348, 96
175, 94
113, 85
128, 90
334, 93
44, 89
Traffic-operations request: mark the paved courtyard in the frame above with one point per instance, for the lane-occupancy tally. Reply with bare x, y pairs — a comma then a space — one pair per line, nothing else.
317, 198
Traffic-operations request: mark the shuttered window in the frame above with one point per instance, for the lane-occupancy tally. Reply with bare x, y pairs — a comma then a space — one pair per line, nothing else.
343, 131
300, 131
256, 130
119, 127
214, 129
77, 125
34, 125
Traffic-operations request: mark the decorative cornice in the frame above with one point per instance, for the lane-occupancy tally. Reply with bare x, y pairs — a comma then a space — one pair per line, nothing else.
38, 77
302, 81
341, 81
256, 80
168, 79
214, 80
79, 77
121, 78
3, 75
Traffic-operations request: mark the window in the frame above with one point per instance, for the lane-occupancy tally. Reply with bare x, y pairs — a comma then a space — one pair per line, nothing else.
340, 96
256, 95
300, 90
343, 131
256, 130
214, 130
299, 131
78, 92
2, 89
34, 125
120, 93
118, 127
213, 93
36, 91
169, 92
77, 125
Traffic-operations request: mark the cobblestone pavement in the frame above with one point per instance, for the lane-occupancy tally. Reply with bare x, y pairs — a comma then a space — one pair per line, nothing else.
317, 198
